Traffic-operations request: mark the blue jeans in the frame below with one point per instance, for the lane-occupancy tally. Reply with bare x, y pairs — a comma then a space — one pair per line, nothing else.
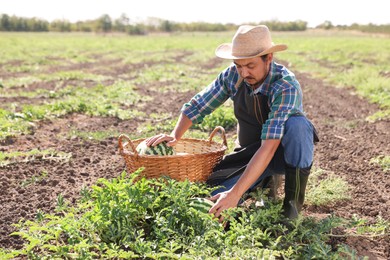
296, 150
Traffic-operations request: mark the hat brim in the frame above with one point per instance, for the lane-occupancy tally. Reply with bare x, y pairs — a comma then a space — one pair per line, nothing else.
224, 51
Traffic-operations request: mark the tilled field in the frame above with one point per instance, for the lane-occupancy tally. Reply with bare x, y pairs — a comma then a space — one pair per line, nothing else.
348, 142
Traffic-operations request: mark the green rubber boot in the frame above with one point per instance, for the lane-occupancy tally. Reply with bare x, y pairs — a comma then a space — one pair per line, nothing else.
294, 189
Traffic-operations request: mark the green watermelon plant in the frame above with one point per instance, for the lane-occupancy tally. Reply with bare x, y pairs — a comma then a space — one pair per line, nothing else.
130, 217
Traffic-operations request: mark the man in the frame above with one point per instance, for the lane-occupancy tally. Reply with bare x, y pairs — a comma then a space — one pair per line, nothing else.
274, 136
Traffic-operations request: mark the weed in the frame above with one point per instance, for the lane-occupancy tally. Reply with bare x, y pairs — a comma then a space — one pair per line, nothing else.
61, 204
93, 135
326, 190
85, 193
34, 179
223, 116
362, 227
152, 128
35, 154
40, 215
383, 161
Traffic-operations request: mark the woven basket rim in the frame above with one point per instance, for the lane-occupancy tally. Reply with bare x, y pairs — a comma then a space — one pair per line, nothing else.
221, 148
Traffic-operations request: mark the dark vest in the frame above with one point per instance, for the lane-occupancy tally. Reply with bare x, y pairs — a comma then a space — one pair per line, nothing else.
251, 111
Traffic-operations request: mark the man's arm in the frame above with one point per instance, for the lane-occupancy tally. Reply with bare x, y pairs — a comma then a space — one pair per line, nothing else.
253, 171
182, 125
200, 105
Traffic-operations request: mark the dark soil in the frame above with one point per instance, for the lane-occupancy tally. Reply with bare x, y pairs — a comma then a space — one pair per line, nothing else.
348, 143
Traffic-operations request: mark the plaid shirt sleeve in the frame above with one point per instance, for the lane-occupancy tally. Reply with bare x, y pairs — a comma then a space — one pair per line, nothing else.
285, 97
213, 96
283, 90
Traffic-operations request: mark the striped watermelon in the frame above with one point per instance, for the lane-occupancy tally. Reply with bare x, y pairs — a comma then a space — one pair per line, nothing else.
201, 204
160, 149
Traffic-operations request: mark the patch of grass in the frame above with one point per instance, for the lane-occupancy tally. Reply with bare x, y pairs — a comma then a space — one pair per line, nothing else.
34, 179
351, 124
26, 94
383, 161
61, 203
176, 77
56, 76
160, 116
21, 81
205, 135
73, 75
100, 101
32, 68
152, 128
222, 116
97, 101
381, 227
379, 115
93, 135
159, 72
197, 134
363, 227
326, 190
7, 158
12, 124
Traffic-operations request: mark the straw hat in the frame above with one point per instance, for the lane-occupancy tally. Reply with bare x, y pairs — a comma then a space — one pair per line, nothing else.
249, 42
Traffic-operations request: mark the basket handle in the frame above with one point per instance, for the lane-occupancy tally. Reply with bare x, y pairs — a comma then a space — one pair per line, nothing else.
120, 144
219, 128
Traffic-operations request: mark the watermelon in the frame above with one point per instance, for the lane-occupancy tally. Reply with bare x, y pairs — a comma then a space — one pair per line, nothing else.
201, 204
160, 149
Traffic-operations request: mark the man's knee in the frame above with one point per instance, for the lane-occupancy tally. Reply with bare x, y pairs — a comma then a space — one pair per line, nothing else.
299, 126
298, 142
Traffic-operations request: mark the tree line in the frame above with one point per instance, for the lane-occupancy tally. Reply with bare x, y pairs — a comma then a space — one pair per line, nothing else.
123, 24
368, 28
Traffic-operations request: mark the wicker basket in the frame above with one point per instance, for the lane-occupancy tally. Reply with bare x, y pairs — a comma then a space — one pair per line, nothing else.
194, 159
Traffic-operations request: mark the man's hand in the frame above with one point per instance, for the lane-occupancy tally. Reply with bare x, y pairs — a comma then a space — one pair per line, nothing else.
224, 200
155, 140
182, 125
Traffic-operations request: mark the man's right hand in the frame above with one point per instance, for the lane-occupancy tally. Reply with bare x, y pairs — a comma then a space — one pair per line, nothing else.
155, 140
181, 127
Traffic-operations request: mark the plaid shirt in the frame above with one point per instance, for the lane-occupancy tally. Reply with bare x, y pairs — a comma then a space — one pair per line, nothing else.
281, 87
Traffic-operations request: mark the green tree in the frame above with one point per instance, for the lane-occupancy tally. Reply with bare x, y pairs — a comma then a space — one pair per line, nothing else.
121, 23
60, 26
327, 25
5, 24
167, 26
104, 23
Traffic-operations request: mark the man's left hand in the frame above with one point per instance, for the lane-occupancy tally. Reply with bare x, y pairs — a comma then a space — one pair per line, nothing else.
224, 200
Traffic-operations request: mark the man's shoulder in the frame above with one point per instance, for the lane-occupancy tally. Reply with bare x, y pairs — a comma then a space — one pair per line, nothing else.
230, 71
283, 81
282, 70
230, 76
282, 75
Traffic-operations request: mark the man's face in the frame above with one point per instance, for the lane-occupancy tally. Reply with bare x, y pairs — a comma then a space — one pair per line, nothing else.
253, 70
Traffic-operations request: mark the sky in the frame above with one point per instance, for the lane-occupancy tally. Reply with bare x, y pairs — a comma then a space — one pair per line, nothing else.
315, 12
